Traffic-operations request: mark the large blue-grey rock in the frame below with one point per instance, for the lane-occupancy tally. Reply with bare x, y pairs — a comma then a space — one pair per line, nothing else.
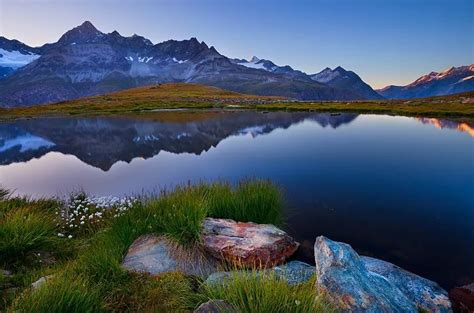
343, 275
293, 272
421, 291
154, 255
349, 285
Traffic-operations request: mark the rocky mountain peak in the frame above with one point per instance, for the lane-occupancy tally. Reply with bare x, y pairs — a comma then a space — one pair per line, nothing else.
340, 69
84, 33
254, 59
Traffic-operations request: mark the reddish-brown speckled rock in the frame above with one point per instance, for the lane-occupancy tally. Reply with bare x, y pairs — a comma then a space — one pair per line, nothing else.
247, 244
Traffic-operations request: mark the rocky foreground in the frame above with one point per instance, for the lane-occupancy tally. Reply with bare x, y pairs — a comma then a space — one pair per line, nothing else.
351, 282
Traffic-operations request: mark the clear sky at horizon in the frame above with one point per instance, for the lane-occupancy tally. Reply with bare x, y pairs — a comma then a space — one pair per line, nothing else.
384, 41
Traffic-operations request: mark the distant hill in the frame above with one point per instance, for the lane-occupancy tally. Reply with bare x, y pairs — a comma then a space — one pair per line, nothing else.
451, 81
86, 62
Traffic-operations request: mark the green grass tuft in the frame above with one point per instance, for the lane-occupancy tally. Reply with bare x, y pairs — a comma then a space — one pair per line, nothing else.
62, 293
178, 214
255, 291
24, 231
257, 201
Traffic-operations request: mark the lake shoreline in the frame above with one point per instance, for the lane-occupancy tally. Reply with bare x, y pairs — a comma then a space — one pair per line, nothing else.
215, 237
145, 100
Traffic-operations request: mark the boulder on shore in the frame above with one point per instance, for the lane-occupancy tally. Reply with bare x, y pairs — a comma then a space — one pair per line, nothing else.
158, 254
247, 244
362, 284
421, 291
463, 298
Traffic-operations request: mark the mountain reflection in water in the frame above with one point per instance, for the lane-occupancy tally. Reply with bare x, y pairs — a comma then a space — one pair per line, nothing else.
101, 142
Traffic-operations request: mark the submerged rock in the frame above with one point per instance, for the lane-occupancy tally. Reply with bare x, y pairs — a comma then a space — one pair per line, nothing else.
155, 255
421, 291
362, 284
463, 298
247, 244
293, 272
215, 306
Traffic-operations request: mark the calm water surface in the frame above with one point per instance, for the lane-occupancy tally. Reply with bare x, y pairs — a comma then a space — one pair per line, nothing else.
397, 188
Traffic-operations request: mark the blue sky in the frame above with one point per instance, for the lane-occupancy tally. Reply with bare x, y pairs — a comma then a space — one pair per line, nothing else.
384, 41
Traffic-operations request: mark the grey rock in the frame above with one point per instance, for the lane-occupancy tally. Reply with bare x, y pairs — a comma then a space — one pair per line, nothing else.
155, 255
215, 306
41, 281
348, 284
293, 272
421, 291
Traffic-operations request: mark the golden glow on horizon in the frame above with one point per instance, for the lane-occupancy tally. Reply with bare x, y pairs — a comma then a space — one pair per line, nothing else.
440, 124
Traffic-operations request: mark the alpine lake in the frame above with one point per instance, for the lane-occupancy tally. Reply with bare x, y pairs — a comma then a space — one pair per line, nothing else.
397, 188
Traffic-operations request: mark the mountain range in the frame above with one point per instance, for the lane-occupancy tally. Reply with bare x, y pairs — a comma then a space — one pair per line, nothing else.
451, 81
86, 61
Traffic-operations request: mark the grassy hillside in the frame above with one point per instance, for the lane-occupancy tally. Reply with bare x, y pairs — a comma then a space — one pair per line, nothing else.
192, 96
165, 96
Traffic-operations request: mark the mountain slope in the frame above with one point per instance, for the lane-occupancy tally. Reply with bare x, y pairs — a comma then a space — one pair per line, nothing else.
14, 54
451, 81
85, 62
342, 79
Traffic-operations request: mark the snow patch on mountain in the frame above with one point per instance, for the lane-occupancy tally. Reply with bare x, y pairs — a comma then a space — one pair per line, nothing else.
178, 61
16, 59
439, 76
325, 75
254, 63
144, 59
466, 78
